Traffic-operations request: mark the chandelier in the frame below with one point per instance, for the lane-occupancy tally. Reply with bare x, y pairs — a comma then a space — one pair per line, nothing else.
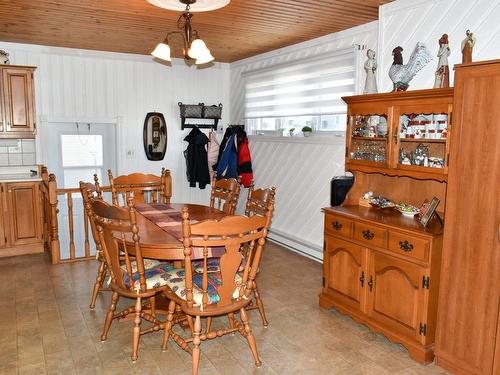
194, 47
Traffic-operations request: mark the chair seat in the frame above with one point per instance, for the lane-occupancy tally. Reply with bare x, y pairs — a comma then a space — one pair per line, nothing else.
148, 263
213, 265
175, 280
156, 275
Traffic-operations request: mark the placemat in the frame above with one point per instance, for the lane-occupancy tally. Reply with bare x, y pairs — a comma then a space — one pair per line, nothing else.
170, 220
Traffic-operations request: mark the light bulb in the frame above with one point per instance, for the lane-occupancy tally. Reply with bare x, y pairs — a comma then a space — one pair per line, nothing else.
162, 52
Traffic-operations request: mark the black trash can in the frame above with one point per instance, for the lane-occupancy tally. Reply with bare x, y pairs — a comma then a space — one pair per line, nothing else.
340, 186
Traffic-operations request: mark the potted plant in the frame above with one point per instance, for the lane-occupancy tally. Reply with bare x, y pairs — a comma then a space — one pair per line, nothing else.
307, 130
291, 130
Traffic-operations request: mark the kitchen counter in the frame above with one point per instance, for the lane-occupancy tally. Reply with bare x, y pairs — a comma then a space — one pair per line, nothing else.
19, 177
19, 174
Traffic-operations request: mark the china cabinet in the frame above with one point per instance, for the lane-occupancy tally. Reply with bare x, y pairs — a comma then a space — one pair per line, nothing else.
17, 104
379, 266
468, 335
400, 134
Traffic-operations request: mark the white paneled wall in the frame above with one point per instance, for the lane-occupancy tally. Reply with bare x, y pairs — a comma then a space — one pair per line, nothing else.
301, 170
406, 22
89, 86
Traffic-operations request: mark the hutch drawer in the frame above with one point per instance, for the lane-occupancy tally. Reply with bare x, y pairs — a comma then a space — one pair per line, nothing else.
408, 245
338, 225
369, 234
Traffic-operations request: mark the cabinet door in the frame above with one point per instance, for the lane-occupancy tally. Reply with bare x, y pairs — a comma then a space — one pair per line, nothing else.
343, 270
19, 100
3, 233
24, 212
421, 135
396, 296
470, 279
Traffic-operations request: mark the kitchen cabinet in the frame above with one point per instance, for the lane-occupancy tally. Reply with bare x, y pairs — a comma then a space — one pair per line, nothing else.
17, 109
3, 213
21, 231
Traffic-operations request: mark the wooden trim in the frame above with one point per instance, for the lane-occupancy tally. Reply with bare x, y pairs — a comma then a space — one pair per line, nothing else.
400, 95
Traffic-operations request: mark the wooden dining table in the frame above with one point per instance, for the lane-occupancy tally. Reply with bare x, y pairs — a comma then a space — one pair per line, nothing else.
160, 228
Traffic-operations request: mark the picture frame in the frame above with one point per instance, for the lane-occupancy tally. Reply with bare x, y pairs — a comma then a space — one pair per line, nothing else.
427, 210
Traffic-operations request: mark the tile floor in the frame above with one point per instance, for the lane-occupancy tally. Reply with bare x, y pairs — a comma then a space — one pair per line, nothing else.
46, 327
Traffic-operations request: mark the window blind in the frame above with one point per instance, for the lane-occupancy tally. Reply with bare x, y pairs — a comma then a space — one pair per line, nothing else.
310, 86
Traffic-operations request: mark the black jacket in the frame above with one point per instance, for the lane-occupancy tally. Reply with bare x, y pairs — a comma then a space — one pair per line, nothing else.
196, 158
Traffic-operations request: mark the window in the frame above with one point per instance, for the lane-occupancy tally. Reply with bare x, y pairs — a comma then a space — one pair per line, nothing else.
82, 155
306, 92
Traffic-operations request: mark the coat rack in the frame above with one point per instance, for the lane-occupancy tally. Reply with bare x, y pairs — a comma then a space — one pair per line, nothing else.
200, 111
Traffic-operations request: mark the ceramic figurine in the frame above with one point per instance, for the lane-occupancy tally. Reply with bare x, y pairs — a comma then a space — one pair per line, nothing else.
400, 74
4, 57
467, 46
370, 69
443, 70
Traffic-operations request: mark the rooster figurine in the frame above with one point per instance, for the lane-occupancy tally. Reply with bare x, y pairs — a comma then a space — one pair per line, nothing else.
400, 74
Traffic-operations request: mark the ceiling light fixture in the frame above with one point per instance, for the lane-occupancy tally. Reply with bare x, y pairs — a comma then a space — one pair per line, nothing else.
194, 47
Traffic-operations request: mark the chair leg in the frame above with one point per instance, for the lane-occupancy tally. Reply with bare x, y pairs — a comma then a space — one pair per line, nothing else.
232, 320
260, 305
137, 329
109, 316
101, 274
249, 337
209, 325
168, 325
196, 343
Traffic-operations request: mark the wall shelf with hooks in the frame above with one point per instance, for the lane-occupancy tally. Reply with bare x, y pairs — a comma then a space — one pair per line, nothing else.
211, 114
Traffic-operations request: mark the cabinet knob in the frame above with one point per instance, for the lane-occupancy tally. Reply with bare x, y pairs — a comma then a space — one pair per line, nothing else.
337, 225
370, 283
362, 279
405, 246
368, 235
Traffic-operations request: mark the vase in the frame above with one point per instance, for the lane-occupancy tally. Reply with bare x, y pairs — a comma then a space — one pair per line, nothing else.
306, 134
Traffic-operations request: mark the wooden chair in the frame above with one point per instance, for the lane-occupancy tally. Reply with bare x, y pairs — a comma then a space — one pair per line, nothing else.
138, 279
225, 193
147, 188
257, 204
88, 190
212, 294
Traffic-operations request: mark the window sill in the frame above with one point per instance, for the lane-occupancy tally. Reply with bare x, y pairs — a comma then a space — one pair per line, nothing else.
337, 139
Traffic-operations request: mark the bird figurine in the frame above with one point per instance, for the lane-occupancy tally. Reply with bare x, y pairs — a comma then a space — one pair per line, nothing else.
400, 74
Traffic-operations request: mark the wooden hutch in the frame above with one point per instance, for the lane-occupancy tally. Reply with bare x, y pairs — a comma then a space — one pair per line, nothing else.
380, 267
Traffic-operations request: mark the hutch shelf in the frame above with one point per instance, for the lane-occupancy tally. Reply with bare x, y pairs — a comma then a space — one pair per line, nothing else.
380, 267
400, 134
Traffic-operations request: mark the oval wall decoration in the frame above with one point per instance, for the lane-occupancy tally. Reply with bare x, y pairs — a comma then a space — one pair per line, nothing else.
155, 136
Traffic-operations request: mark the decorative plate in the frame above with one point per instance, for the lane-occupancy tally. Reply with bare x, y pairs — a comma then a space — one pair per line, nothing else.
407, 209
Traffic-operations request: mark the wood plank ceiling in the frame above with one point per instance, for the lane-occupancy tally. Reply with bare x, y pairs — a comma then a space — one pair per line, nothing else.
242, 29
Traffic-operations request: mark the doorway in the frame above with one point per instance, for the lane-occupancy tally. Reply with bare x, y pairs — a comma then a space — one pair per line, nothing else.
75, 152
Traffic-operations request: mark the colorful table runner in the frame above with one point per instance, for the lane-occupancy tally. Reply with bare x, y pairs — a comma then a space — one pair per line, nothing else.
170, 220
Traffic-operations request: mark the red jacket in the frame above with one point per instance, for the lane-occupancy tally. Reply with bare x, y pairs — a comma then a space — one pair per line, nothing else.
245, 163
